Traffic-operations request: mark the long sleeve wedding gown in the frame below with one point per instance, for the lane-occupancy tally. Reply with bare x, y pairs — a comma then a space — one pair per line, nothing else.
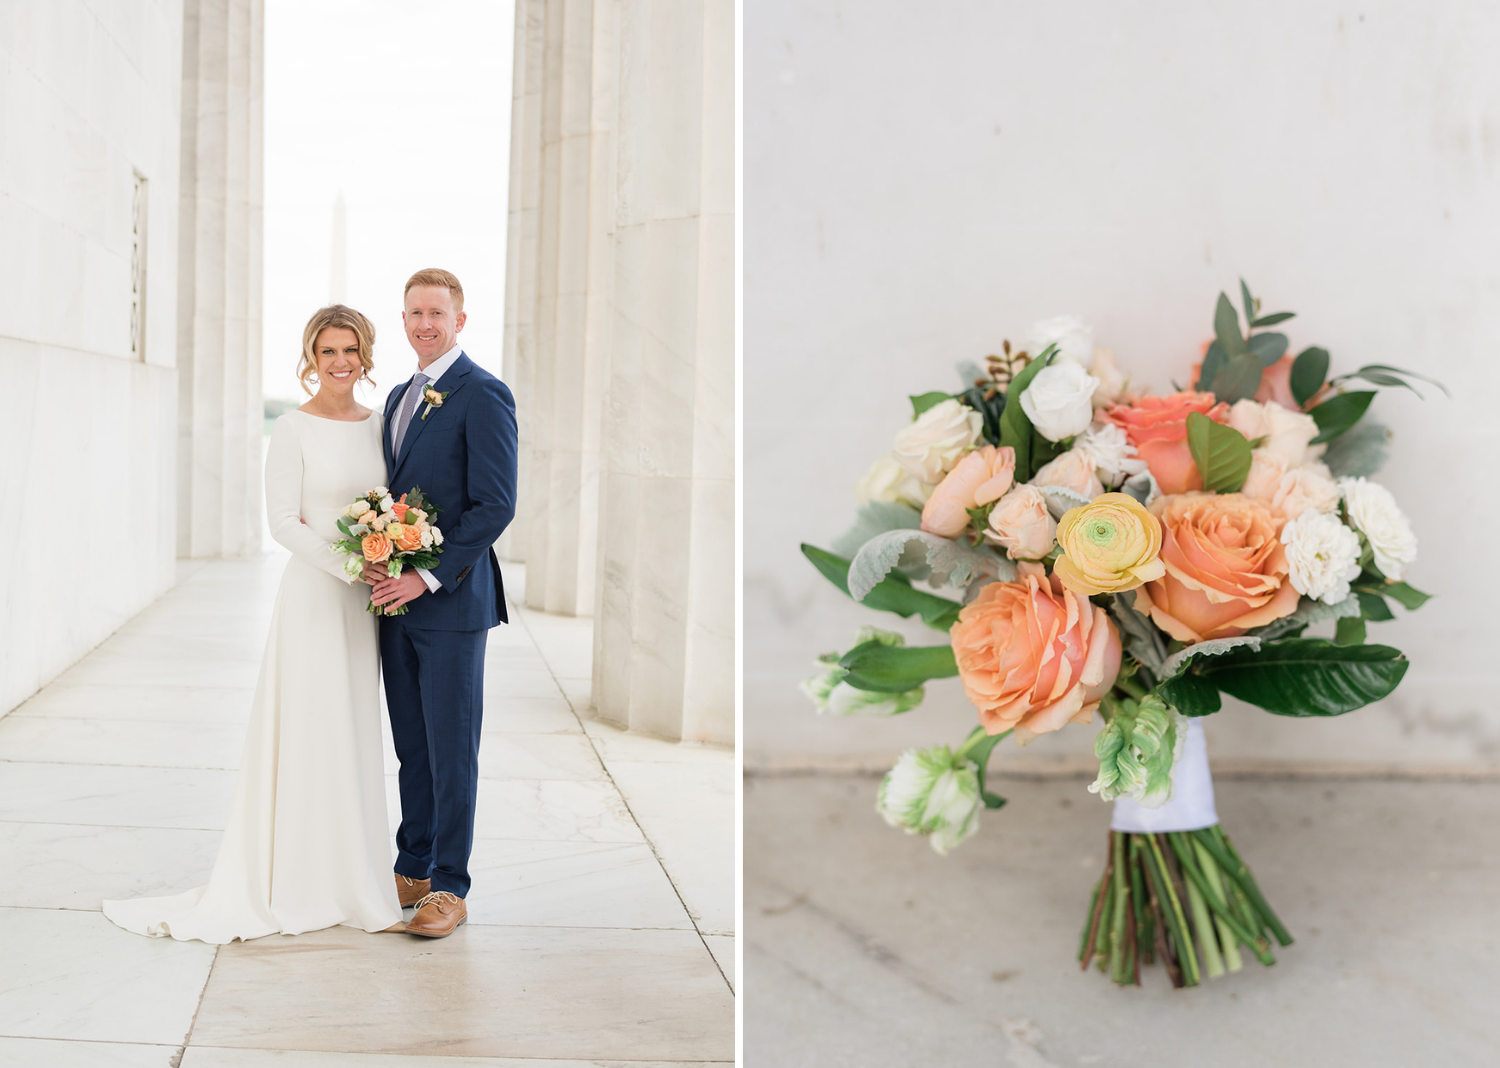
307, 845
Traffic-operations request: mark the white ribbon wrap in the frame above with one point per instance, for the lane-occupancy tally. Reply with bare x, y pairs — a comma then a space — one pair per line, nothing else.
1192, 804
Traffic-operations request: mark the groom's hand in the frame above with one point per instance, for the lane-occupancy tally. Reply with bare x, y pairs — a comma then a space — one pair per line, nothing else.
395, 592
374, 573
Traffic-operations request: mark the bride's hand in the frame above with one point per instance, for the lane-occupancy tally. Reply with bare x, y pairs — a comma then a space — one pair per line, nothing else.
374, 573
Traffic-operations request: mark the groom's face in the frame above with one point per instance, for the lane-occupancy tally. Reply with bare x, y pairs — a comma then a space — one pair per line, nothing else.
431, 325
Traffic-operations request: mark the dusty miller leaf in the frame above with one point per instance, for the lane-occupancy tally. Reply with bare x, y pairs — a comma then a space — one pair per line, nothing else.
1178, 661
1142, 640
874, 518
1061, 498
1359, 452
952, 564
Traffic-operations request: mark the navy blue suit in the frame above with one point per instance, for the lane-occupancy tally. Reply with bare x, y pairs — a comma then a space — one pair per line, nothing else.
463, 456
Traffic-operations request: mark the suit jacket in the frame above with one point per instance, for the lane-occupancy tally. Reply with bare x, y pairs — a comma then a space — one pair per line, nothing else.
463, 456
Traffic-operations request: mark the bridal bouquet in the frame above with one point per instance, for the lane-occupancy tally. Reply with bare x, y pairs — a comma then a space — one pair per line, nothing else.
1133, 555
382, 530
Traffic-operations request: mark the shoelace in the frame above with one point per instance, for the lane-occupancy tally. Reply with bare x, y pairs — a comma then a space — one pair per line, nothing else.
440, 898
409, 882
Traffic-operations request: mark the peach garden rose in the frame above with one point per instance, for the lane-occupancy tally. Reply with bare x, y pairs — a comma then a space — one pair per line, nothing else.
1157, 427
377, 547
1226, 569
1033, 656
980, 478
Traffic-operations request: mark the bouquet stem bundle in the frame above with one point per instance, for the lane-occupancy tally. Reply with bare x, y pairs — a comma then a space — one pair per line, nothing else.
1184, 897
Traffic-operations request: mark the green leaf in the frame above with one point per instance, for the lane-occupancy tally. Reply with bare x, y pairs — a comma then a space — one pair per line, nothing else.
1338, 413
896, 669
1190, 694
1221, 453
1273, 319
1268, 347
894, 593
922, 402
344, 523
1248, 300
1305, 676
1383, 374
1372, 606
1349, 631
1240, 378
1227, 327
979, 752
1309, 372
1213, 362
989, 411
1015, 428
1409, 597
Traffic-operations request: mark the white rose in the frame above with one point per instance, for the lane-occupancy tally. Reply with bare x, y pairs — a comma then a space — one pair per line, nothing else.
1022, 524
1306, 488
357, 509
1060, 401
1073, 337
1287, 434
932, 792
889, 481
1375, 513
1112, 380
386, 503
381, 490
1114, 456
1073, 470
1323, 556
940, 436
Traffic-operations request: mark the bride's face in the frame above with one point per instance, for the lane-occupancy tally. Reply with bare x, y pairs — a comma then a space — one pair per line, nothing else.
337, 351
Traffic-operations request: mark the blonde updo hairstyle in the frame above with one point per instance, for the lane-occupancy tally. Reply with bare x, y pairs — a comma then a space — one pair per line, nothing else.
336, 316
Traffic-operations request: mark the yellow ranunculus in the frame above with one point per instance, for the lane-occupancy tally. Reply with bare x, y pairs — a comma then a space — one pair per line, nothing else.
1110, 545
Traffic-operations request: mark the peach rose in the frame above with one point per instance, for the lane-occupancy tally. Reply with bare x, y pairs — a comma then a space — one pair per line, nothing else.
401, 508
1022, 524
1266, 469
1276, 385
410, 538
377, 547
1033, 657
979, 478
1072, 470
1226, 567
1157, 427
367, 518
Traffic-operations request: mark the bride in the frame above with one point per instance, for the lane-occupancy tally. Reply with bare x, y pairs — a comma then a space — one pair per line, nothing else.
307, 845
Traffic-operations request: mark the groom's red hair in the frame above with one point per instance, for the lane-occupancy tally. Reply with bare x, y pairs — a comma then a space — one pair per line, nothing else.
436, 276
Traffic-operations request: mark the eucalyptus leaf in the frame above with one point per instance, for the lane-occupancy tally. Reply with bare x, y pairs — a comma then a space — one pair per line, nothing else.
1015, 427
1273, 319
893, 669
922, 402
1268, 347
1061, 498
1221, 452
893, 594
875, 517
1213, 362
1360, 451
1409, 597
1338, 413
1309, 372
1240, 378
1248, 301
1227, 327
1383, 374
1306, 676
952, 564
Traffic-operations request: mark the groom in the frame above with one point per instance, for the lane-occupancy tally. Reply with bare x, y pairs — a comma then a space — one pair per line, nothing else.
451, 430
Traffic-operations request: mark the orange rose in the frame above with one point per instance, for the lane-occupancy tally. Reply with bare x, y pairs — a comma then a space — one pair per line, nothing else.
1033, 657
979, 478
377, 547
1157, 427
401, 508
410, 538
1226, 568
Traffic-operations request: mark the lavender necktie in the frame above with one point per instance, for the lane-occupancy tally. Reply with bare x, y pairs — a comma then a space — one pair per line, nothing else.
408, 407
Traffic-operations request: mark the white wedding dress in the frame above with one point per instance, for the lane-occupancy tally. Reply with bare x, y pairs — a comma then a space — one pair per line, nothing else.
307, 845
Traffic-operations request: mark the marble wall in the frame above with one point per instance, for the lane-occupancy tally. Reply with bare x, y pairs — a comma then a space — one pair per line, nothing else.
621, 344
918, 189
219, 282
90, 97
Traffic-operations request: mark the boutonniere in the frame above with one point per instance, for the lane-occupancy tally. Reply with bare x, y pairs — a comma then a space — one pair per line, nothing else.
434, 399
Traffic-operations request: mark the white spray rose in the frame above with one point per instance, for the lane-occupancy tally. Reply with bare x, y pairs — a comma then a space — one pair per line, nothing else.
427, 539
437, 536
1309, 488
932, 792
1375, 513
357, 509
832, 694
1073, 337
387, 503
889, 481
1072, 470
1323, 556
1060, 401
1114, 456
937, 440
1288, 434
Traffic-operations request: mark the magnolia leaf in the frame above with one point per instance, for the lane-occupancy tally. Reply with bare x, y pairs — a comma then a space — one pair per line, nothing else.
1338, 413
1221, 452
1178, 661
1142, 640
891, 669
1227, 327
1360, 451
952, 564
892, 594
1349, 631
1309, 611
1306, 676
1268, 347
875, 517
1239, 379
1061, 498
922, 402
1191, 695
1015, 427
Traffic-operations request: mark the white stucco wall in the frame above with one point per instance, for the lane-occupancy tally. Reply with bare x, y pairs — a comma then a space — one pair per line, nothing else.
923, 183
89, 95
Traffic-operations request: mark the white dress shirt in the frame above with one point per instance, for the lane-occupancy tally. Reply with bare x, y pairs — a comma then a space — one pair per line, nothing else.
434, 372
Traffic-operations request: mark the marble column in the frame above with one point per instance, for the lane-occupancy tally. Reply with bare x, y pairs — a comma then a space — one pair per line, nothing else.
573, 252
219, 280
665, 612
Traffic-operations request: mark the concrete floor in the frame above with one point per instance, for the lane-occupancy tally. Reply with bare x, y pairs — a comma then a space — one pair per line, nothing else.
864, 948
601, 922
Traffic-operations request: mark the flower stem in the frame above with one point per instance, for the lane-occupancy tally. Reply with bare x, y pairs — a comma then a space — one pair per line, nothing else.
1196, 879
1134, 689
1119, 965
1237, 871
1227, 937
1101, 903
1203, 924
1176, 921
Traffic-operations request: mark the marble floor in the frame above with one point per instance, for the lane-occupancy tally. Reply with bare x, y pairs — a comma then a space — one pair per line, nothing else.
601, 923
865, 948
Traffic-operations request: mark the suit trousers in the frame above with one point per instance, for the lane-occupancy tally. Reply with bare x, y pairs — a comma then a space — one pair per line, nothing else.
434, 688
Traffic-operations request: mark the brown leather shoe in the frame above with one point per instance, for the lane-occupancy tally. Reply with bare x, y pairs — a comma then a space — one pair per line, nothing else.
439, 914
410, 891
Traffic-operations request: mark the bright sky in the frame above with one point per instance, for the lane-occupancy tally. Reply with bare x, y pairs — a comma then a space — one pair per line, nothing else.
405, 109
